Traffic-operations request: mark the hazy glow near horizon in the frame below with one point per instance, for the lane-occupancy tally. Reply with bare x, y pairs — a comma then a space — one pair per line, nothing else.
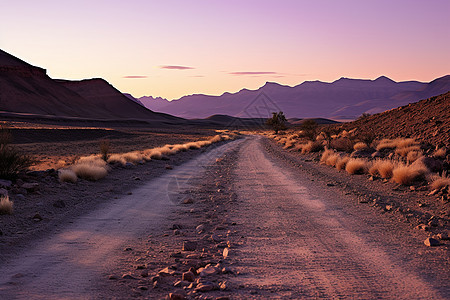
174, 48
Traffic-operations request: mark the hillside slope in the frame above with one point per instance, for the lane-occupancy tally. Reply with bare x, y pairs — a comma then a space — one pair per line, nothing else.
427, 120
27, 89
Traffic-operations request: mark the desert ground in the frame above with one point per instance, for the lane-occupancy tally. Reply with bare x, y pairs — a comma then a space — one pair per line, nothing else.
242, 218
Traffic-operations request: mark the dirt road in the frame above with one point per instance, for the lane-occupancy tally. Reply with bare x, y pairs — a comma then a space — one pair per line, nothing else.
304, 240
293, 236
68, 264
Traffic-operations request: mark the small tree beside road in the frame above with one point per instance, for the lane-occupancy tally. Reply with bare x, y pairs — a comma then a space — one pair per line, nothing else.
277, 122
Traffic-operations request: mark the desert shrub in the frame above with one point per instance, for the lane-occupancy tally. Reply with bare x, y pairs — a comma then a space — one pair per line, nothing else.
6, 206
12, 161
152, 154
133, 157
382, 168
311, 147
104, 149
403, 151
386, 144
342, 162
405, 143
439, 182
309, 128
117, 158
342, 144
360, 146
407, 175
332, 159
325, 155
412, 156
89, 171
91, 160
67, 176
289, 144
356, 166
440, 153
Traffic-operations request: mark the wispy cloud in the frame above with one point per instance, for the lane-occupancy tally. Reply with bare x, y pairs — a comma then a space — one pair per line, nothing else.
253, 73
135, 76
197, 76
176, 68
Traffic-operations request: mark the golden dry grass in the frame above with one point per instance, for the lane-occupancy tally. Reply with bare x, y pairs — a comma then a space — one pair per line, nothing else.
325, 155
382, 168
6, 206
440, 153
356, 166
360, 146
408, 174
311, 147
342, 162
67, 176
89, 171
439, 182
412, 156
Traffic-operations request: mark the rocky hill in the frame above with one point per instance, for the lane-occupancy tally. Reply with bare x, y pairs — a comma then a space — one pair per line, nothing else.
427, 120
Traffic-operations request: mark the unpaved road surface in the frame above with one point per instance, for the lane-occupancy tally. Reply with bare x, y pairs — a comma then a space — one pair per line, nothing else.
304, 240
293, 236
68, 264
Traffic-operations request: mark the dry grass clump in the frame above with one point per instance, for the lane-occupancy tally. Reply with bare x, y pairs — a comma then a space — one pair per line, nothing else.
90, 168
356, 166
360, 146
133, 157
117, 158
404, 151
439, 183
150, 154
341, 163
215, 139
193, 145
440, 153
6, 206
311, 147
408, 174
332, 159
413, 156
67, 176
289, 144
386, 144
89, 171
104, 149
325, 155
382, 168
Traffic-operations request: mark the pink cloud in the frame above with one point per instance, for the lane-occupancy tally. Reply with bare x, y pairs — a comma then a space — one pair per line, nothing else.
253, 73
135, 76
176, 68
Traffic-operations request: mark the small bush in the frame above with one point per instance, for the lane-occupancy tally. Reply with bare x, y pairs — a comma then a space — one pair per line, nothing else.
412, 156
89, 171
332, 159
407, 175
215, 139
325, 155
6, 206
341, 163
386, 144
117, 158
403, 151
133, 157
360, 146
439, 182
12, 162
311, 147
440, 153
356, 166
382, 168
67, 176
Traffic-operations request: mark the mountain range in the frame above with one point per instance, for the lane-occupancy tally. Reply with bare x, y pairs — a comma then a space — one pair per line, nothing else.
343, 99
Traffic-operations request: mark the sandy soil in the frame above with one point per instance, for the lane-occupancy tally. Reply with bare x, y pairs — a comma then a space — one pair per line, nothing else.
292, 229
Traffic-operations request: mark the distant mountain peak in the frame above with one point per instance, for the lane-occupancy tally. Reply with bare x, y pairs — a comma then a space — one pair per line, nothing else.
384, 79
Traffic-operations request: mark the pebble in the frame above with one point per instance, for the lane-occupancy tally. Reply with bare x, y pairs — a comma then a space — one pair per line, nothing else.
430, 242
181, 283
189, 246
204, 287
188, 276
144, 273
216, 238
442, 236
422, 227
31, 187
112, 277
169, 167
225, 253
127, 276
142, 287
188, 201
37, 217
178, 295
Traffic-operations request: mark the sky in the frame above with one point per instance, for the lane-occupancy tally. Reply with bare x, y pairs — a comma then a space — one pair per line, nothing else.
170, 48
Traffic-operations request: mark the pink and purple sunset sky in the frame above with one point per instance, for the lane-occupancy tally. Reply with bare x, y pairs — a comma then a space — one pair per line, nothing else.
173, 48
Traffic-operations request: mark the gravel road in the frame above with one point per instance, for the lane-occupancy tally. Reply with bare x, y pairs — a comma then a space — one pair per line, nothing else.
293, 236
